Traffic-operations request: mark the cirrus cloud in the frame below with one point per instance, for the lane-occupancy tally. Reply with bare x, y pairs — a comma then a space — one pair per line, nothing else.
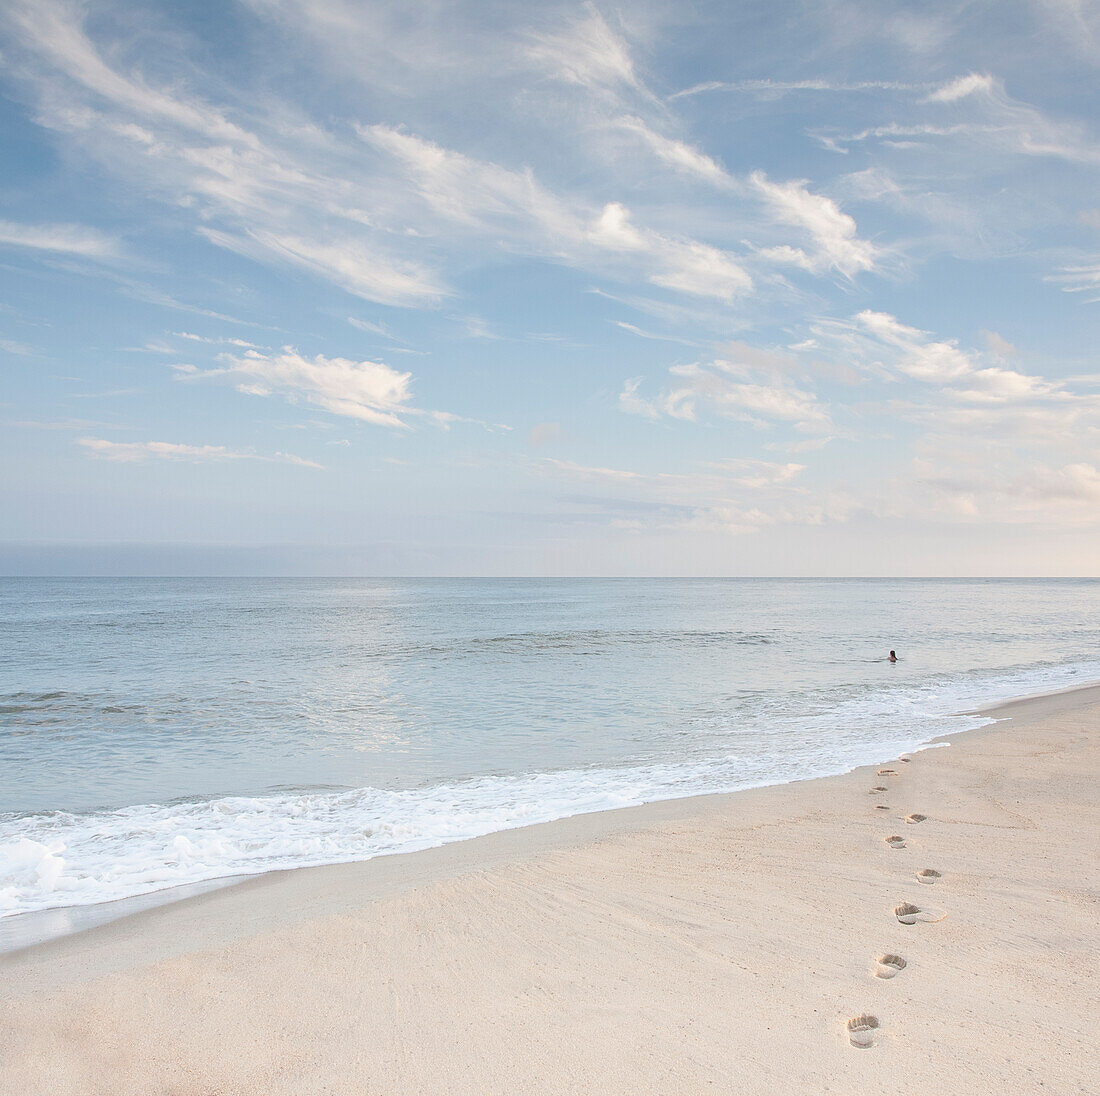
89, 243
129, 452
366, 390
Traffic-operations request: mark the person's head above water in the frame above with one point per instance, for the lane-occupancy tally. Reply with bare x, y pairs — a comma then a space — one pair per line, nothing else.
893, 657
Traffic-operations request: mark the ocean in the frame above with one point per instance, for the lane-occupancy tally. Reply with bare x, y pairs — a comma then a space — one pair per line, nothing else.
160, 732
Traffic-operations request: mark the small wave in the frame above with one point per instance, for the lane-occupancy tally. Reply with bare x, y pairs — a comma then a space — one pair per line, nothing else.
38, 698
598, 637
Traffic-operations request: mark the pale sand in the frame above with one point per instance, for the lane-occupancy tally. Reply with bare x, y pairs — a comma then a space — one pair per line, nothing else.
718, 944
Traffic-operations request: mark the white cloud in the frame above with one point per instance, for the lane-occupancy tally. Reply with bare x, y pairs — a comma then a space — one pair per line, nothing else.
697, 269
685, 265
962, 375
973, 83
718, 387
902, 135
995, 385
130, 452
613, 230
922, 358
833, 232
242, 344
366, 390
783, 87
68, 239
680, 155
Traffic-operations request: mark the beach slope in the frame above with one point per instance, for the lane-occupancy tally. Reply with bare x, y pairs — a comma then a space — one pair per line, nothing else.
931, 927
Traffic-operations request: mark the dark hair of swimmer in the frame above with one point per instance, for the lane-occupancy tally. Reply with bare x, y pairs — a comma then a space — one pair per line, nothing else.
893, 657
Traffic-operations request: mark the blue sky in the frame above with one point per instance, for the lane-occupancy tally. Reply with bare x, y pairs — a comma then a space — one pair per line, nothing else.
315, 286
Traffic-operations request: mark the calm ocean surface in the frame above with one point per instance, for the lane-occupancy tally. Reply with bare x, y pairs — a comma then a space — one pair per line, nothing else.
155, 732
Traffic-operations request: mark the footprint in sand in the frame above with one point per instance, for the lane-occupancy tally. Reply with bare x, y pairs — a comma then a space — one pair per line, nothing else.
882, 807
929, 875
877, 790
913, 819
908, 914
895, 842
886, 966
888, 772
861, 1031
905, 760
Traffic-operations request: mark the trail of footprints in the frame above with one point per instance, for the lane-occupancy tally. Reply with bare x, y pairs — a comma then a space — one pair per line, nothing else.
863, 1030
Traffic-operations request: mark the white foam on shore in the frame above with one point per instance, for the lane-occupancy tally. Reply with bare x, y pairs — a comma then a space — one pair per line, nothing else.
58, 859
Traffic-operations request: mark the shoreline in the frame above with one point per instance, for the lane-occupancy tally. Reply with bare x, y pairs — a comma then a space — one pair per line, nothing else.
656, 949
21, 932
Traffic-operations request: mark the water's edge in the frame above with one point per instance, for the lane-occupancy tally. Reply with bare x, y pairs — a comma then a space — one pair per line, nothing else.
25, 930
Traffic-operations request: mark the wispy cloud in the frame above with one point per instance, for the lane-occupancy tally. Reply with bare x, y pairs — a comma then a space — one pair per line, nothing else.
680, 155
270, 191
587, 51
784, 87
482, 197
374, 329
365, 390
353, 266
835, 243
926, 359
89, 243
219, 340
942, 362
53, 28
129, 452
730, 390
972, 84
990, 117
1080, 279
642, 333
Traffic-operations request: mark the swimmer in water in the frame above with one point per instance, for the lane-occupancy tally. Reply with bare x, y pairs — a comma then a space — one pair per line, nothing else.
893, 657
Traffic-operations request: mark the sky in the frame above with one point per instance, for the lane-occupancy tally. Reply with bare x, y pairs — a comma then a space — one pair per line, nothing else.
490, 288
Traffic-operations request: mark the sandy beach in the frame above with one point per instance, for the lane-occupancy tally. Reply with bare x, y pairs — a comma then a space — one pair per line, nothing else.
927, 925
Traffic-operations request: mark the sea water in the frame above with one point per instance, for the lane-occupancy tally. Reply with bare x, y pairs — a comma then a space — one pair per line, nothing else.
159, 732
